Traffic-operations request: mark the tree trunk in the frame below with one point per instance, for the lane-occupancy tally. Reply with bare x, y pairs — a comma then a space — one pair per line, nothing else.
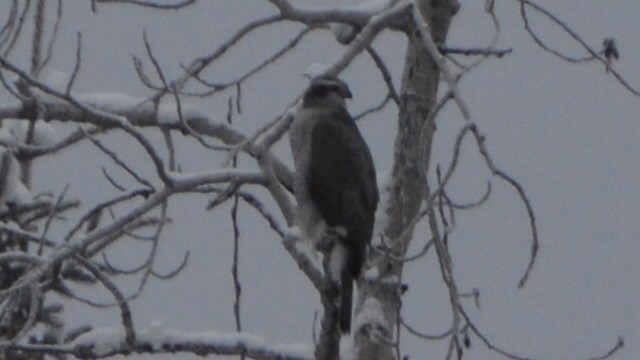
409, 182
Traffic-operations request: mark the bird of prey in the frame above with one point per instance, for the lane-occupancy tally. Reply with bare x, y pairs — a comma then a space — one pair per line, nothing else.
335, 182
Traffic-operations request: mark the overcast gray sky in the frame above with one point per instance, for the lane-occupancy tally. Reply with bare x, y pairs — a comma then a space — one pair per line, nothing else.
568, 133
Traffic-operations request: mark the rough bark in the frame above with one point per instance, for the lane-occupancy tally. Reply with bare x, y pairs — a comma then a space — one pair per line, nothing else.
409, 182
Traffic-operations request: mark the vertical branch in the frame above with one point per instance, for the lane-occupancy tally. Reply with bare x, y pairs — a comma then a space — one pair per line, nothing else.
237, 288
16, 28
36, 58
234, 268
36, 43
328, 346
54, 36
412, 152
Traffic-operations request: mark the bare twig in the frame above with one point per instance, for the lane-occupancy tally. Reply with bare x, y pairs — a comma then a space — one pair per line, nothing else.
523, 196
125, 311
17, 29
52, 214
150, 4
113, 156
423, 335
593, 54
76, 67
54, 36
386, 75
432, 48
475, 51
215, 87
36, 42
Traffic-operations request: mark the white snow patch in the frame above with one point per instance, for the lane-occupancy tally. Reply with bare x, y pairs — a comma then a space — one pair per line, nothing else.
107, 340
345, 33
14, 132
21, 196
314, 70
157, 335
168, 113
337, 261
346, 347
111, 101
102, 341
381, 218
9, 190
121, 103
372, 316
372, 274
55, 79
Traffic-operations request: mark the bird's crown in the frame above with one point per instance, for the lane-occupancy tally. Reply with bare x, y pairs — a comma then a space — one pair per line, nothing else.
326, 91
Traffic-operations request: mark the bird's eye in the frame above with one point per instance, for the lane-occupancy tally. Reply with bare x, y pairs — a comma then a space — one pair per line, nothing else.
322, 92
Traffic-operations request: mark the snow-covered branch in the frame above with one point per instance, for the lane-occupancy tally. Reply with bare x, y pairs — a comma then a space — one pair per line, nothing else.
104, 343
359, 16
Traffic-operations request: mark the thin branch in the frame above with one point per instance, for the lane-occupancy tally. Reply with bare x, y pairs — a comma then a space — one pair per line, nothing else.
36, 42
544, 46
174, 272
54, 36
52, 214
198, 65
386, 75
100, 117
364, 39
114, 157
29, 152
100, 207
523, 196
17, 29
151, 4
76, 67
619, 345
373, 109
273, 58
594, 55
125, 311
433, 51
423, 335
12, 16
475, 51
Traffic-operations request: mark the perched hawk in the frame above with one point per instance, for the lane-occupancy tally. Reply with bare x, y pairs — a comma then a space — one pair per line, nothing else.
335, 182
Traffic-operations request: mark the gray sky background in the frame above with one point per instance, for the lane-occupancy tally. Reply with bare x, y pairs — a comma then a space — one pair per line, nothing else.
568, 133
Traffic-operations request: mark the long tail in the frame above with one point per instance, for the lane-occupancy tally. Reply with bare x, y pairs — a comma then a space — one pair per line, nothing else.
346, 300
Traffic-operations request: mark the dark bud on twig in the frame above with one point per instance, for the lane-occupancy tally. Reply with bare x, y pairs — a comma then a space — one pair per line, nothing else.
404, 288
466, 341
609, 49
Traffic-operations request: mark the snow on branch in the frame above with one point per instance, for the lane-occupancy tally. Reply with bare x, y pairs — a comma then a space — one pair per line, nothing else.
102, 236
359, 16
118, 110
103, 343
374, 26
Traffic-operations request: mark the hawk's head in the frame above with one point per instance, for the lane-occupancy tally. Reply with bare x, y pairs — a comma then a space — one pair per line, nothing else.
326, 92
